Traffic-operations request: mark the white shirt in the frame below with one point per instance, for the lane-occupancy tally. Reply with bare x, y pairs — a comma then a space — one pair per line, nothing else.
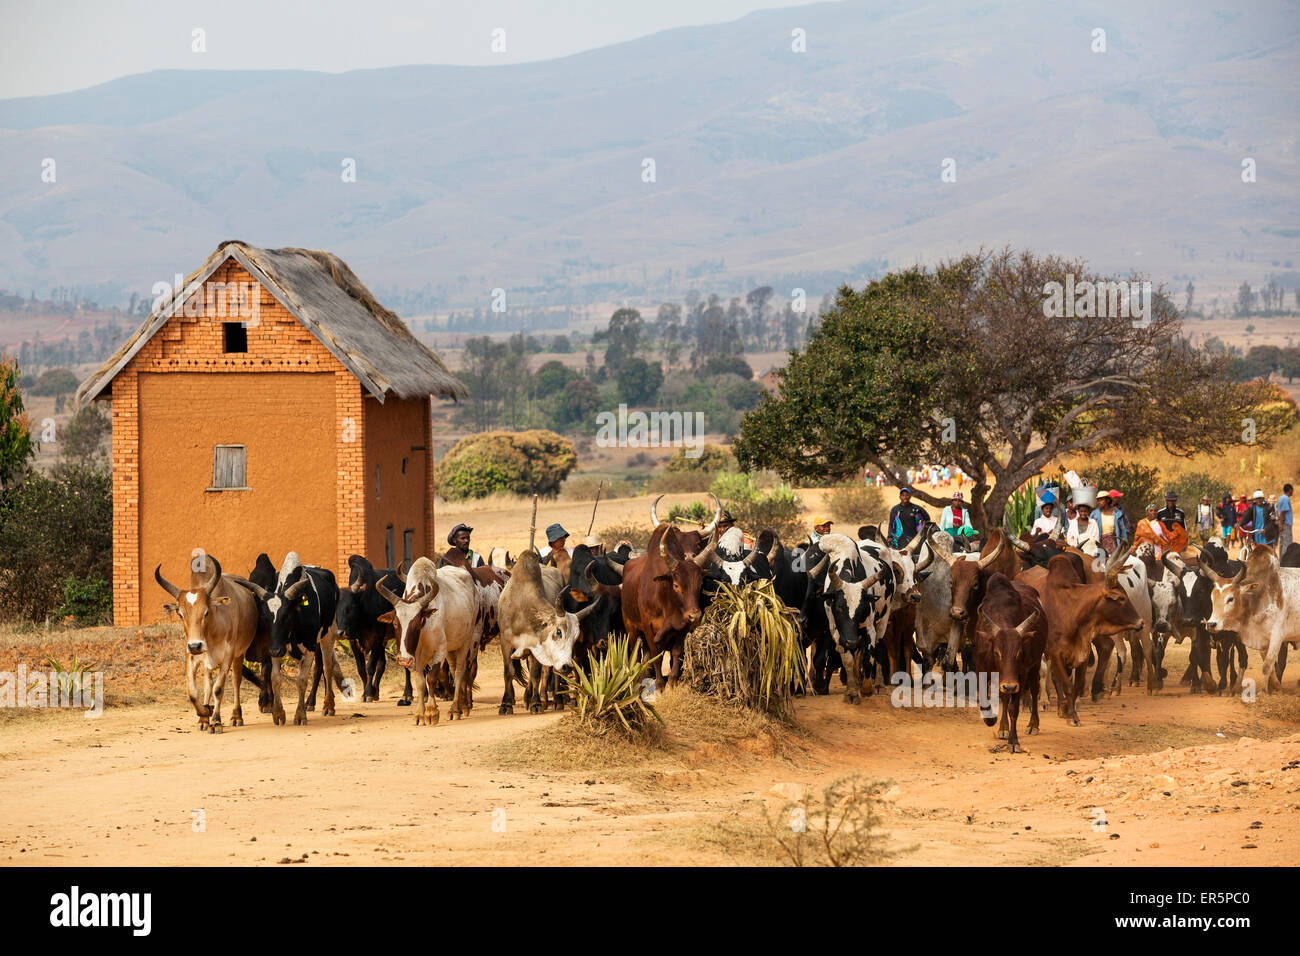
1045, 524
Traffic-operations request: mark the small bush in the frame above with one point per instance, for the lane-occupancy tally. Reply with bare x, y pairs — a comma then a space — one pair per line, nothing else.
756, 510
610, 698
839, 827
711, 458
88, 601
584, 487
856, 504
1191, 486
531, 462
1139, 483
53, 527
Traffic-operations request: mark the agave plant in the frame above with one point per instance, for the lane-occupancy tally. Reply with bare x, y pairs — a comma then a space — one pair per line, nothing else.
747, 649
74, 674
611, 695
1019, 515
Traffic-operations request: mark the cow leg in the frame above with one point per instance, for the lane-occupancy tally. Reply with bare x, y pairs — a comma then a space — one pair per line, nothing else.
1268, 659
1002, 716
273, 679
852, 693
305, 668
460, 706
1012, 708
364, 674
237, 674
1135, 668
218, 689
1076, 692
315, 683
426, 702
1104, 648
1063, 681
1045, 683
266, 694
329, 669
508, 695
192, 665
1035, 684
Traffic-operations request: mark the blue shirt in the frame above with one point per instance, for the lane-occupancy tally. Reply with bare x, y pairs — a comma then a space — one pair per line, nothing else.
1285, 516
1259, 524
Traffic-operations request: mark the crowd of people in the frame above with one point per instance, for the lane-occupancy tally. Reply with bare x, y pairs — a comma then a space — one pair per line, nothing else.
1100, 522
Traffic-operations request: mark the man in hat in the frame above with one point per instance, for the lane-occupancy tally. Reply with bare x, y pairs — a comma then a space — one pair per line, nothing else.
459, 555
1112, 523
1171, 514
557, 539
1259, 523
821, 526
905, 519
1174, 521
955, 518
593, 544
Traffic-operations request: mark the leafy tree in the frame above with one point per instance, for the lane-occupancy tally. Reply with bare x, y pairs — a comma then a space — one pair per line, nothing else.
55, 381
15, 432
83, 438
579, 403
730, 364
624, 334
710, 458
1289, 363
530, 462
639, 381
561, 345
552, 377
961, 364
1139, 483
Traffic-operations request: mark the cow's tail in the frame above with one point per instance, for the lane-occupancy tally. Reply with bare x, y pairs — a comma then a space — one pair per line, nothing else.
252, 677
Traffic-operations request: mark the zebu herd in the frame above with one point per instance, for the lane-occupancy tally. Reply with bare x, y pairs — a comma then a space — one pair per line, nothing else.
1017, 611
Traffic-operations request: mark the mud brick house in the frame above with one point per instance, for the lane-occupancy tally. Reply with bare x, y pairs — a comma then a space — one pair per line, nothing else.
270, 404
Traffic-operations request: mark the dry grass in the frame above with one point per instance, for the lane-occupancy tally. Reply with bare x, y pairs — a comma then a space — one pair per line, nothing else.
697, 728
1285, 706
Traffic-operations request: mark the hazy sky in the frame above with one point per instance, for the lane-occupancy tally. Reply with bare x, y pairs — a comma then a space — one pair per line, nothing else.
52, 46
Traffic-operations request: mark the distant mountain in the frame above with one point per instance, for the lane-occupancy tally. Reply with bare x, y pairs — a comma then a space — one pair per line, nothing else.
771, 166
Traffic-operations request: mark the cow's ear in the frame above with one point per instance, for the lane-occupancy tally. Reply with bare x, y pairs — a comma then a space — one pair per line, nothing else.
386, 617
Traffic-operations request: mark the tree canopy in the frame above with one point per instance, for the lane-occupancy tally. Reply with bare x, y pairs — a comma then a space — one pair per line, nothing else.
963, 364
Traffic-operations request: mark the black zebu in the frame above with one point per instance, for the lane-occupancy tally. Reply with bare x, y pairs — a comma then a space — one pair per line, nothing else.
357, 619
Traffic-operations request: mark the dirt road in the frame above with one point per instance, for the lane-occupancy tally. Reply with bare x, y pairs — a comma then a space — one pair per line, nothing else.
1178, 780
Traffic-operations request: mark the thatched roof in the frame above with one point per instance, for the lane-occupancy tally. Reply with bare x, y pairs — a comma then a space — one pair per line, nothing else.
332, 303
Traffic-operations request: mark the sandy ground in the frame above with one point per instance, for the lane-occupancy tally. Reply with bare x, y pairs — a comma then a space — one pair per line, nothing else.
1180, 780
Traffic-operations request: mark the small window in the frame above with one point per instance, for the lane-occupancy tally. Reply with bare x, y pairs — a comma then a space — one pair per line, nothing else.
228, 467
388, 548
235, 336
403, 466
408, 544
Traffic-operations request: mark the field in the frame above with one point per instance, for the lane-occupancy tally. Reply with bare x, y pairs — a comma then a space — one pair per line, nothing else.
1179, 780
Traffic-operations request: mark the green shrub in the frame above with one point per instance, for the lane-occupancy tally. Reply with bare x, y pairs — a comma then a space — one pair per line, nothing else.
52, 528
531, 462
710, 459
88, 601
756, 510
1140, 484
1190, 487
856, 504
610, 697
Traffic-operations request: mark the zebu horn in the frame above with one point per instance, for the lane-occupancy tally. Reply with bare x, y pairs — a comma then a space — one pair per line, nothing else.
985, 561
774, 552
166, 585
751, 557
1019, 545
260, 591
654, 512
836, 580
588, 609
922, 565
819, 567
388, 595
915, 543
1024, 626
948, 559
706, 556
403, 570
294, 590
215, 578
717, 513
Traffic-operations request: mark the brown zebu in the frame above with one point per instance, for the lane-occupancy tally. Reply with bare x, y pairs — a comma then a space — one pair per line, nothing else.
1010, 638
661, 597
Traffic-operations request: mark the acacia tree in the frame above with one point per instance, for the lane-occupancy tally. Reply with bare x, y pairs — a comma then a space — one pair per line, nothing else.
962, 364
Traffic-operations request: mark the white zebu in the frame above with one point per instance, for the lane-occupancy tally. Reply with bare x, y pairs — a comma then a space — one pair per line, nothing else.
436, 618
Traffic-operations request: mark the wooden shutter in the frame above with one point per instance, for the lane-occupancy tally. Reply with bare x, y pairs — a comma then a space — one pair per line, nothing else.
228, 466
